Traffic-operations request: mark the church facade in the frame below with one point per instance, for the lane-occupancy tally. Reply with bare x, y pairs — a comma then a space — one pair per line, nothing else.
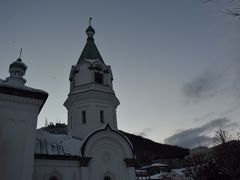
92, 149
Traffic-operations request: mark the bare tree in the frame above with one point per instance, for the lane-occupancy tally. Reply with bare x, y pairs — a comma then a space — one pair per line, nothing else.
221, 162
221, 137
234, 11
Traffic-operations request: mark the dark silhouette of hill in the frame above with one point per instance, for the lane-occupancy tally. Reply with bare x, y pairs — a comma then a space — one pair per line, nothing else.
148, 150
145, 149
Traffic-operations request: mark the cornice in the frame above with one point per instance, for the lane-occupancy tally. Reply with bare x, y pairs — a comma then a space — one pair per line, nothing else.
93, 96
20, 100
29, 95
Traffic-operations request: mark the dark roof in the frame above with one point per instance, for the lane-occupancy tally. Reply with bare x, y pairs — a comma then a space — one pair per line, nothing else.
90, 50
23, 91
57, 157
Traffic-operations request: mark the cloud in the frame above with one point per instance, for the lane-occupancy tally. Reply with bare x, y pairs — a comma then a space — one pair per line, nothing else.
205, 116
230, 110
194, 137
203, 86
143, 133
223, 79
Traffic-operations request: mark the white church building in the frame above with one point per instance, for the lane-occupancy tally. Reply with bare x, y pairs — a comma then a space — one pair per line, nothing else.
93, 148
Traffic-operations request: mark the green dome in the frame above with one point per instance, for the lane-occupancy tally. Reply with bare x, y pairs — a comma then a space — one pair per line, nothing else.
90, 29
18, 64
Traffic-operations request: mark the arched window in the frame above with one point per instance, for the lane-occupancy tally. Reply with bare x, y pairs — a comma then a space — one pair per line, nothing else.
53, 178
107, 178
99, 77
98, 74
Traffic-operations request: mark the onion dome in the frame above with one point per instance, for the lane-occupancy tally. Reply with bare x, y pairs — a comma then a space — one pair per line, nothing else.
19, 65
90, 32
17, 70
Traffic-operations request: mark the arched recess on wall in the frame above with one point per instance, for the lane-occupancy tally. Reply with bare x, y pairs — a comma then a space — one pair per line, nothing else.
100, 66
108, 176
53, 176
121, 140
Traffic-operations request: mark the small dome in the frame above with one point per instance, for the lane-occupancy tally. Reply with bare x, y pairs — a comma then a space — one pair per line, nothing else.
17, 70
18, 64
90, 32
90, 29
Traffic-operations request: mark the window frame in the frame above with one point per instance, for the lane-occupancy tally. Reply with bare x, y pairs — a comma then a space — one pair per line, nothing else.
98, 77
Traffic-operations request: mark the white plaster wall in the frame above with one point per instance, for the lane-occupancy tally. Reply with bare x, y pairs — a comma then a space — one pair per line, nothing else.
86, 95
63, 169
108, 150
84, 75
93, 122
18, 121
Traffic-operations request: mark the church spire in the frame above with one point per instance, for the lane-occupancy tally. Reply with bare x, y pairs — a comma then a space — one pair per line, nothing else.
90, 51
91, 103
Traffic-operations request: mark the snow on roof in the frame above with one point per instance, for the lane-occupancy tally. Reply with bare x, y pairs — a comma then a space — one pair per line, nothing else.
26, 88
141, 171
159, 176
143, 178
155, 165
179, 171
158, 164
57, 144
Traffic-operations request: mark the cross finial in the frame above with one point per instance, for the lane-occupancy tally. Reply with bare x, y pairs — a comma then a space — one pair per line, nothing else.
20, 53
90, 21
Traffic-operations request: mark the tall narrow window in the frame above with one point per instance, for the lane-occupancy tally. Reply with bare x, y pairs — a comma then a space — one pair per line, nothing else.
99, 77
101, 116
83, 117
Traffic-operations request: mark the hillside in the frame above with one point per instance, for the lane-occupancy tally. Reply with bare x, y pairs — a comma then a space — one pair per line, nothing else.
145, 149
148, 150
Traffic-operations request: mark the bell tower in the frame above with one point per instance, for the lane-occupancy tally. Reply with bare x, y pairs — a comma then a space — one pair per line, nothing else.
91, 103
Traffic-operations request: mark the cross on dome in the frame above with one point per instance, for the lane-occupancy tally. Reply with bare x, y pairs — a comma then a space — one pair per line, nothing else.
90, 31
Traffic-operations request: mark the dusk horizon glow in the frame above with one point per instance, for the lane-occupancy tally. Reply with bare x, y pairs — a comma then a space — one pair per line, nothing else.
176, 65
